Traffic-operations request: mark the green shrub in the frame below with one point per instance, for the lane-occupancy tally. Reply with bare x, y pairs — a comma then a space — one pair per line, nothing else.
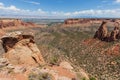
54, 60
84, 79
40, 76
92, 78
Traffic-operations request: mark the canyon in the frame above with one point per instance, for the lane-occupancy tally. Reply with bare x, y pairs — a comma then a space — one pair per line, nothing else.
57, 52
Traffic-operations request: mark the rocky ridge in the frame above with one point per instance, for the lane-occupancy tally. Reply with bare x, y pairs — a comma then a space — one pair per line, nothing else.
88, 20
4, 23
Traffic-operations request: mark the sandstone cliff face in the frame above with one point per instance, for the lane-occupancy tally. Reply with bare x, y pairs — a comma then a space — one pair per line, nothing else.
21, 49
86, 20
103, 34
2, 51
76, 21
14, 23
115, 33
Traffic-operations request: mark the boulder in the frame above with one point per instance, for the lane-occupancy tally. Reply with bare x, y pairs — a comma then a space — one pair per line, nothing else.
66, 65
20, 48
19, 69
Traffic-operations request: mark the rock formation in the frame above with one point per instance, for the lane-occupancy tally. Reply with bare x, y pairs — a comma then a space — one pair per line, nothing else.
114, 33
2, 51
117, 30
103, 34
87, 20
14, 23
20, 48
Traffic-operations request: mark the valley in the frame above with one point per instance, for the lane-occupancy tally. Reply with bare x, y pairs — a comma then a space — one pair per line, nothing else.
89, 58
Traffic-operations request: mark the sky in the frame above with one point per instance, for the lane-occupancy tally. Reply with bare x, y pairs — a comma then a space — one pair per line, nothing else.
61, 8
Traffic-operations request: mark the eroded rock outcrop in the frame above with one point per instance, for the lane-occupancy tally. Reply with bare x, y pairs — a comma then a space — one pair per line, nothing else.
2, 51
20, 48
103, 34
115, 33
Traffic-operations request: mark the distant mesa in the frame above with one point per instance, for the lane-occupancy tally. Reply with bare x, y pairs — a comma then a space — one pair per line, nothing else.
4, 23
84, 20
76, 21
87, 22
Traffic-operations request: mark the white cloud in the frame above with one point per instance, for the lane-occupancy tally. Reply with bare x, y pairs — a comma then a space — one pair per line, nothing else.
1, 4
32, 2
91, 12
41, 11
13, 10
9, 8
98, 13
117, 1
12, 7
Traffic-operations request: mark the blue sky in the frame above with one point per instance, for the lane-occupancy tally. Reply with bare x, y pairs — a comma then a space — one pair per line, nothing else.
61, 8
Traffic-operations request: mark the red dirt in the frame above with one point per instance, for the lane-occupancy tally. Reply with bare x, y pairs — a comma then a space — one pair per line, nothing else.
4, 76
116, 50
20, 77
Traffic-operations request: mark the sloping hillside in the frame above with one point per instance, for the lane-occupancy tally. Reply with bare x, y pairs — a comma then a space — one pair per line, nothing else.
99, 59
